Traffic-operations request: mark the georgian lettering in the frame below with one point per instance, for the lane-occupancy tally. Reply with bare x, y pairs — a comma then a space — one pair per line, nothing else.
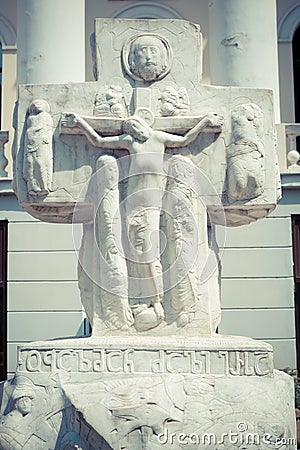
197, 362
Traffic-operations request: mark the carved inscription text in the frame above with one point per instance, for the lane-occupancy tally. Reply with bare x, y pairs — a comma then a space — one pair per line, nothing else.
219, 362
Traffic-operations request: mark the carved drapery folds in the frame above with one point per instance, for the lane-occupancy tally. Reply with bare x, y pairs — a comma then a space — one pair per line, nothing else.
38, 153
245, 157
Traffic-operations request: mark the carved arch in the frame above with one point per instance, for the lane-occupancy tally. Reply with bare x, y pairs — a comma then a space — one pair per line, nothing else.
8, 35
147, 10
289, 23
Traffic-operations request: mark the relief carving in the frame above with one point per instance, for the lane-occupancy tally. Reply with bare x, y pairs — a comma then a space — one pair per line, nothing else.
109, 101
181, 203
147, 57
174, 103
145, 379
141, 408
105, 296
143, 203
33, 416
245, 157
38, 153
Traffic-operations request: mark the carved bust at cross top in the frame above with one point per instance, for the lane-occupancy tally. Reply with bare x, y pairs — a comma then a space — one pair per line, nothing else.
142, 157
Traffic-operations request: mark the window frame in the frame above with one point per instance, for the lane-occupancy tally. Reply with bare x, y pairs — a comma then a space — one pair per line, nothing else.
3, 288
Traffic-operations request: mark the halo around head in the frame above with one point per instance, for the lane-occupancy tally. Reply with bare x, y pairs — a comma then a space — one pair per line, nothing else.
127, 55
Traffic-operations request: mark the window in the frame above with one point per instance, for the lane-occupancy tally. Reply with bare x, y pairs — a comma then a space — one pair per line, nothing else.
0, 81
296, 66
3, 300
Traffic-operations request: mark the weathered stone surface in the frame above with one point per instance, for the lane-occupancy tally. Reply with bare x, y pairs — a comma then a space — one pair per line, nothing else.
148, 159
172, 101
96, 393
179, 151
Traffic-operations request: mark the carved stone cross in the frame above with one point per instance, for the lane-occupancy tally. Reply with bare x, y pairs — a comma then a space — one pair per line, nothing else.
143, 156
148, 160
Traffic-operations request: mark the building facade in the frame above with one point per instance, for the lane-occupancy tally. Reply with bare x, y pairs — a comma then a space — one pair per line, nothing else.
260, 262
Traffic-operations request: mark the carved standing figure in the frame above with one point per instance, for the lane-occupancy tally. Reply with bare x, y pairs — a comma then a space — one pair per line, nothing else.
145, 189
245, 157
38, 153
104, 289
182, 229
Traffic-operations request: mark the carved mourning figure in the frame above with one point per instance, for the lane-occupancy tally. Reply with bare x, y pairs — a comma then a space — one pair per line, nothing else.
145, 189
148, 59
246, 153
106, 306
183, 210
38, 153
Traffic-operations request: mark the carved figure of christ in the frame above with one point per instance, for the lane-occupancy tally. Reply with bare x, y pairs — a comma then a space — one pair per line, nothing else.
144, 189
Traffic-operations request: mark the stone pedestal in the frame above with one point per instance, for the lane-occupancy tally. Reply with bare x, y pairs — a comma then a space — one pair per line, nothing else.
215, 392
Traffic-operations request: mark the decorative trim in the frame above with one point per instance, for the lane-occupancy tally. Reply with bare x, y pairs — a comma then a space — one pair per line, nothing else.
8, 36
289, 23
147, 10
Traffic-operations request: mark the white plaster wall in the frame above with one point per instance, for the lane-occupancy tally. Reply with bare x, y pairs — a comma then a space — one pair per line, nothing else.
257, 282
43, 299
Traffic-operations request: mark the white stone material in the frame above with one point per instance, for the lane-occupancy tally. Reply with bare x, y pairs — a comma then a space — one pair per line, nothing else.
145, 263
243, 45
145, 158
293, 157
38, 153
50, 48
113, 393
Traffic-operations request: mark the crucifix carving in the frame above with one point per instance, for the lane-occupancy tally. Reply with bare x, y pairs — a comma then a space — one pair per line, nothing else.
155, 153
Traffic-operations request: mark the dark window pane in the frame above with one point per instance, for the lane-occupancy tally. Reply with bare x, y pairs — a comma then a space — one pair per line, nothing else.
3, 335
296, 254
3, 300
296, 61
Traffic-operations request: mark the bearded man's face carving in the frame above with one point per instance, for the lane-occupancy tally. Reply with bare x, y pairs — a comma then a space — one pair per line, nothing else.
147, 58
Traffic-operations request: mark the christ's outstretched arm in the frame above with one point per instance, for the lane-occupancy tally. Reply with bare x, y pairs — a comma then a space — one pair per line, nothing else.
112, 142
210, 120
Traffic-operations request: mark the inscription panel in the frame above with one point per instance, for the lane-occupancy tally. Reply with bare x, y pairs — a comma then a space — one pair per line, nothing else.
100, 360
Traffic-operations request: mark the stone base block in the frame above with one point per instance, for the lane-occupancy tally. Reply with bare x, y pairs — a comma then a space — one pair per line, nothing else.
215, 392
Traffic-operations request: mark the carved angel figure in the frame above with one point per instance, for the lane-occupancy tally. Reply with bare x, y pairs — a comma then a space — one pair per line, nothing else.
38, 152
110, 102
174, 103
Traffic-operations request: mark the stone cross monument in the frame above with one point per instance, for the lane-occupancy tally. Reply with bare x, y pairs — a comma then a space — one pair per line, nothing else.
144, 162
